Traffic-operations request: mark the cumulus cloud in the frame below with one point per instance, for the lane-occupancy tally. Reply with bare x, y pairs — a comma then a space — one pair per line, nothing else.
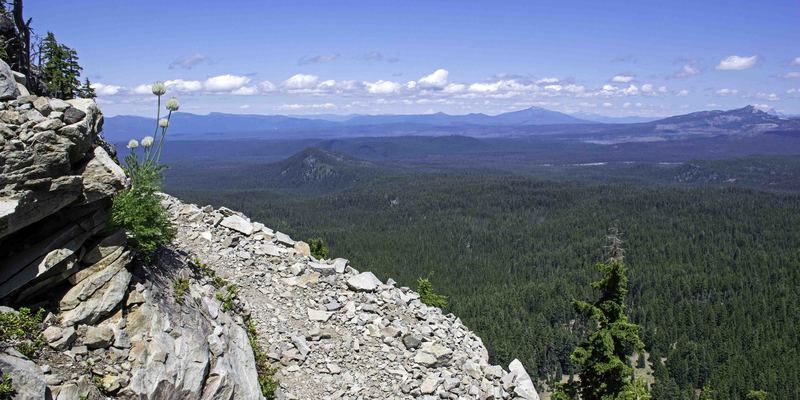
320, 59
301, 82
768, 96
245, 91
225, 83
454, 88
180, 85
737, 63
190, 61
727, 92
105, 90
267, 87
547, 80
383, 87
683, 92
623, 78
688, 70
438, 79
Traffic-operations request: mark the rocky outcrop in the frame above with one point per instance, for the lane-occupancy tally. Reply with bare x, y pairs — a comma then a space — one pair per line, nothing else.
337, 332
115, 328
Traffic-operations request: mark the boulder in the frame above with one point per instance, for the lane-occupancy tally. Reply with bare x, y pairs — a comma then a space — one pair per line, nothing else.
27, 379
364, 282
8, 84
102, 177
101, 302
524, 385
237, 223
98, 337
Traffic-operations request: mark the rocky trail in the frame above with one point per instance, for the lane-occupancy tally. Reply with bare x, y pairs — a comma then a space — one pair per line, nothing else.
337, 332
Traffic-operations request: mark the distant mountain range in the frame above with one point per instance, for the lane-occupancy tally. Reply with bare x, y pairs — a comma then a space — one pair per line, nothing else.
528, 122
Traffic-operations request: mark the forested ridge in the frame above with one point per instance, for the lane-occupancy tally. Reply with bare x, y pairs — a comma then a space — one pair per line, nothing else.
714, 273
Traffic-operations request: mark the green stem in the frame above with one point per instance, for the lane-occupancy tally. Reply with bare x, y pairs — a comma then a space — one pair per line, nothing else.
163, 133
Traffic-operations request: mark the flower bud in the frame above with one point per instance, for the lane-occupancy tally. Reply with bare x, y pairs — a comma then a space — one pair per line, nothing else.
147, 141
159, 88
172, 104
163, 123
132, 144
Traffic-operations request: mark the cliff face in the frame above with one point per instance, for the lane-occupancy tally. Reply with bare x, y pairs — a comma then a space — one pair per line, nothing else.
183, 325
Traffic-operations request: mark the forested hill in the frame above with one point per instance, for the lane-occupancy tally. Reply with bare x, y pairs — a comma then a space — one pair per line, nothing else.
715, 273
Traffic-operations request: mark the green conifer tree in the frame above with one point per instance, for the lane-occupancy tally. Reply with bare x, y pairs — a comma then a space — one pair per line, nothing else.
86, 91
60, 70
605, 372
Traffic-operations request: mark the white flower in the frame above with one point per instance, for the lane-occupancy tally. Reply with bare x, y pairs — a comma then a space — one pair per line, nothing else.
147, 141
163, 122
172, 104
159, 88
132, 144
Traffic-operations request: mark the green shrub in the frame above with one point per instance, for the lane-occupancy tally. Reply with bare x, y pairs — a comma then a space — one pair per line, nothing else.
318, 248
7, 391
266, 372
428, 296
138, 209
226, 298
180, 286
22, 330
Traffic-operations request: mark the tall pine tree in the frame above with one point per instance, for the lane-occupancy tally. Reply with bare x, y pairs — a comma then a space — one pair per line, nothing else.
60, 71
605, 372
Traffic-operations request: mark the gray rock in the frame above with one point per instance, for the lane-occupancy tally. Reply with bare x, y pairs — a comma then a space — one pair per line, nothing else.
73, 115
237, 223
301, 344
102, 177
101, 303
364, 282
412, 341
284, 239
524, 384
60, 339
98, 337
323, 269
27, 379
8, 85
318, 315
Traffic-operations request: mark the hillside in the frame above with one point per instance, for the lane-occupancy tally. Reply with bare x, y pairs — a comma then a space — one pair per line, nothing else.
519, 250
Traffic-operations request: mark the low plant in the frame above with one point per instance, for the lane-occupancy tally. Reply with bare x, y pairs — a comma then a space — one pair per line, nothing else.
429, 296
227, 296
138, 209
7, 391
319, 249
22, 330
266, 372
180, 286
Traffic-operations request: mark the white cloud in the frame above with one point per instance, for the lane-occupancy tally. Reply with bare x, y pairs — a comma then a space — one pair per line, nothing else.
683, 92
143, 89
553, 88
792, 75
301, 82
244, 106
267, 87
547, 80
737, 63
180, 85
245, 91
688, 70
608, 105
796, 61
454, 88
438, 79
105, 90
768, 96
575, 89
484, 87
727, 92
225, 83
294, 107
383, 87
631, 90
647, 88
662, 89
623, 78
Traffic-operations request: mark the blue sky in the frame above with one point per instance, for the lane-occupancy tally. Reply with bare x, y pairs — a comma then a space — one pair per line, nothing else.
613, 58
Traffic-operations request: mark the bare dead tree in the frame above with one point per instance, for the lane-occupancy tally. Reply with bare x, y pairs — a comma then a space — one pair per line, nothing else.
615, 251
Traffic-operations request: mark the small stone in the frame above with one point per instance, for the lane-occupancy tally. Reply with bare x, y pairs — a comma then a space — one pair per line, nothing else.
318, 315
301, 344
333, 306
412, 341
429, 385
302, 248
334, 369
